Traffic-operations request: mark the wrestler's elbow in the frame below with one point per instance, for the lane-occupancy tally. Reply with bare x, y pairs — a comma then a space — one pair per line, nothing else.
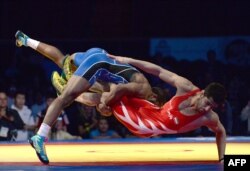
221, 130
218, 129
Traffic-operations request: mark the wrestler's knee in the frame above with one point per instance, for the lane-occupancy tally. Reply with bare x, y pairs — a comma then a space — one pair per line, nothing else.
64, 100
69, 94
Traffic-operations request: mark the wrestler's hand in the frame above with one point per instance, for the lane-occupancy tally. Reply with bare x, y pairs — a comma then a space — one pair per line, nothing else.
104, 109
121, 59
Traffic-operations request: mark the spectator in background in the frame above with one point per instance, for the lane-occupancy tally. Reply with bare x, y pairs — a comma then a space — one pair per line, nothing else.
11, 94
245, 116
49, 99
10, 120
39, 105
60, 131
226, 115
234, 96
213, 65
25, 114
87, 119
103, 131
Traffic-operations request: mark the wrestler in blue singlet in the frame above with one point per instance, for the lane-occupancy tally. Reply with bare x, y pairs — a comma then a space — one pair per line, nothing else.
94, 65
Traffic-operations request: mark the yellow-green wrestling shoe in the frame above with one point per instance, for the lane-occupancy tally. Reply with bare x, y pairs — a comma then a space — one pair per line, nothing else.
68, 67
58, 82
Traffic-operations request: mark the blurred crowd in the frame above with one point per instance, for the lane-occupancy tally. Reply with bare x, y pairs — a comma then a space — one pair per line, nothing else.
26, 93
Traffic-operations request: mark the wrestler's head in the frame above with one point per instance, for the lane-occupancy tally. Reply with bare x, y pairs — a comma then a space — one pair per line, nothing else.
159, 97
214, 95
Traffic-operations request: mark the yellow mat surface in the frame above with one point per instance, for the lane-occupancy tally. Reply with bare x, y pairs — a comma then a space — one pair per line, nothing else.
132, 152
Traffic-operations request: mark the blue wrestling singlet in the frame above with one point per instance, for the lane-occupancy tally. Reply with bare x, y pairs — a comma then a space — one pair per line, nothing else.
94, 64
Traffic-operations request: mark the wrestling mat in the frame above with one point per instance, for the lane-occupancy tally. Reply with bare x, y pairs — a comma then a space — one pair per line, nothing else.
123, 152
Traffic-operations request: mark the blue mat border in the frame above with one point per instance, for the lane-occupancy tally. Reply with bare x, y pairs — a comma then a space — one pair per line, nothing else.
239, 139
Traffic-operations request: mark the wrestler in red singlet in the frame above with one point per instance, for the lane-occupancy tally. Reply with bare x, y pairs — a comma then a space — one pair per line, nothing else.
145, 119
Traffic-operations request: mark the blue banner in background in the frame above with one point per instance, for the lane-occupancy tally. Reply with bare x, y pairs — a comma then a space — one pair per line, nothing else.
233, 49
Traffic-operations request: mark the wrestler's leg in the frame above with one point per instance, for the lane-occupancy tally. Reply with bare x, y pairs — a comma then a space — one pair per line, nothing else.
72, 62
75, 86
81, 57
47, 50
89, 98
56, 56
80, 82
52, 53
86, 98
100, 87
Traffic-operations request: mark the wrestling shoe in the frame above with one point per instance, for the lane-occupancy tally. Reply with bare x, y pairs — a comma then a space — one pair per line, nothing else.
58, 82
68, 67
21, 38
37, 142
63, 75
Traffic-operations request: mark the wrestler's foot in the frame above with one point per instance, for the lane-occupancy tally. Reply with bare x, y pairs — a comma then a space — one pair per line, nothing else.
37, 142
63, 76
21, 38
68, 67
58, 82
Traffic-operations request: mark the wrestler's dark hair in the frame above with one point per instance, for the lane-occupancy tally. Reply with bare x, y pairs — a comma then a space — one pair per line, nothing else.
217, 91
161, 96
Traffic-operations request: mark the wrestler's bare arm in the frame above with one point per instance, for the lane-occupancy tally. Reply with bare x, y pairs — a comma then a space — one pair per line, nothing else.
215, 125
89, 98
99, 87
169, 77
129, 89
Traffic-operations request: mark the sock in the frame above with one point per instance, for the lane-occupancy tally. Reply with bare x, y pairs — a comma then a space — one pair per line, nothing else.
32, 43
44, 130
